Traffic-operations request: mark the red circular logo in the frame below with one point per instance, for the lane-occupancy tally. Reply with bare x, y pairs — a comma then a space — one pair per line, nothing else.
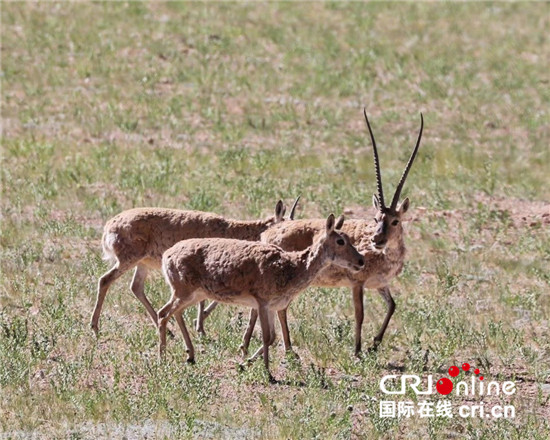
454, 371
444, 386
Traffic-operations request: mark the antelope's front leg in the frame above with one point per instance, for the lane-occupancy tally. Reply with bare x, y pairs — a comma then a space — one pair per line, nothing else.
357, 291
385, 293
187, 338
175, 305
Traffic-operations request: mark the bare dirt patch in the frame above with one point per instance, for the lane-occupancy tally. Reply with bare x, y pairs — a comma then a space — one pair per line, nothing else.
521, 212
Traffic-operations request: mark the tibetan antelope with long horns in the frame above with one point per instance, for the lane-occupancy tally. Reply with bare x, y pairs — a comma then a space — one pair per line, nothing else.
253, 274
138, 238
381, 243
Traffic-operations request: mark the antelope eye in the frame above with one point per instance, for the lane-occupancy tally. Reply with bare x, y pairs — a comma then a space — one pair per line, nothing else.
395, 222
375, 220
340, 242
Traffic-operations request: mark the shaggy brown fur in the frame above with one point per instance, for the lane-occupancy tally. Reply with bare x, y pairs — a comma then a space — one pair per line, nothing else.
138, 237
381, 266
257, 275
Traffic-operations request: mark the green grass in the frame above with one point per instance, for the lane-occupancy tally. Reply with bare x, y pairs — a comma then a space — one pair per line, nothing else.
227, 108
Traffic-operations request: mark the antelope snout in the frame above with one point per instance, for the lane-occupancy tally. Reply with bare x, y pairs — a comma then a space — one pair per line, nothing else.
379, 241
357, 266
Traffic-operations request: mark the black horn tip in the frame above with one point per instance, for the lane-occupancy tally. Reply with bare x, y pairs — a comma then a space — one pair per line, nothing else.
293, 209
365, 114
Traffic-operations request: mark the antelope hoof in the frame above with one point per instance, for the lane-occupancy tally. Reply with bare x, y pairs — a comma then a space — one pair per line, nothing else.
190, 356
374, 347
95, 328
272, 380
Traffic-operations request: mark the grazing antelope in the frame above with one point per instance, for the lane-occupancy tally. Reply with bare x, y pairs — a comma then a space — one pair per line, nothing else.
253, 274
138, 237
381, 244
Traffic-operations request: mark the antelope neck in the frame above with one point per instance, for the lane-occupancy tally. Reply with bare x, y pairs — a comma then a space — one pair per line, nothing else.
395, 247
313, 259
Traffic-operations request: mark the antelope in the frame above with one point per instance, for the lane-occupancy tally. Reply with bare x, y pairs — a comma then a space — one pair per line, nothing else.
381, 244
138, 237
253, 274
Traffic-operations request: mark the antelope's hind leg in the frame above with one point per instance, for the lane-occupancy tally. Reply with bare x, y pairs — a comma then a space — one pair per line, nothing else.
249, 330
138, 288
199, 321
103, 286
202, 314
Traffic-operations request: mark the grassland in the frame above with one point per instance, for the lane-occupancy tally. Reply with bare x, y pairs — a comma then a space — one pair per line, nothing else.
228, 107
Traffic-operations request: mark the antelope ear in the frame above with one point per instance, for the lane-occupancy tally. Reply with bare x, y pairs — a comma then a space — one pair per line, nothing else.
376, 202
330, 223
404, 206
339, 223
279, 210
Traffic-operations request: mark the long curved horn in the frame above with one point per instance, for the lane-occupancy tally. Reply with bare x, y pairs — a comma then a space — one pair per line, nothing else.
408, 167
293, 209
376, 163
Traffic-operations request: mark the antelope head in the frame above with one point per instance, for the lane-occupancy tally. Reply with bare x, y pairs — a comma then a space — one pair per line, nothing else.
338, 246
388, 218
